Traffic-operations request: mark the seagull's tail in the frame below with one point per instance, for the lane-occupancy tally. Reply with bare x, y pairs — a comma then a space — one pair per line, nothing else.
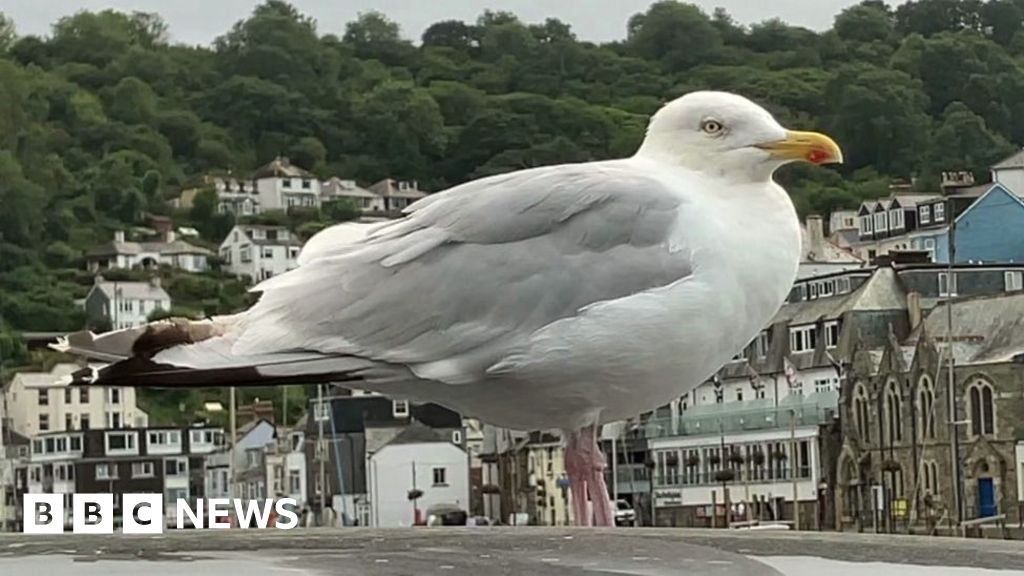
184, 353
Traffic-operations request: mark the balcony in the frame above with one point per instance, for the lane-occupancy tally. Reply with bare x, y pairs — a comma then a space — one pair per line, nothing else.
811, 410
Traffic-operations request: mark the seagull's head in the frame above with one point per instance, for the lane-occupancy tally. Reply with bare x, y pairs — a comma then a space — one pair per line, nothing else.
729, 135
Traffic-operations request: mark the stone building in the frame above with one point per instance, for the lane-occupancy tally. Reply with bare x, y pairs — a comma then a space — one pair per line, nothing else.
896, 466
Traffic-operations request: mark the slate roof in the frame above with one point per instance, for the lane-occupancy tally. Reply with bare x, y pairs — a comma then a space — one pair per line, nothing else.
882, 291
133, 290
175, 247
1015, 160
986, 329
281, 167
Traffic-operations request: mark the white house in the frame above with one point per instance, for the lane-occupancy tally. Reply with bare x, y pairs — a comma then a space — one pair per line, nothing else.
125, 304
420, 459
37, 402
260, 252
281, 185
338, 189
169, 251
397, 194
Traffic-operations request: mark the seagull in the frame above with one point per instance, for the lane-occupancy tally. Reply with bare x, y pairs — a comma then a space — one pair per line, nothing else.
559, 297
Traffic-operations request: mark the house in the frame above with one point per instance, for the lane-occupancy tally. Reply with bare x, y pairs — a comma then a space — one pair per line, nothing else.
338, 189
260, 252
167, 251
1009, 172
895, 467
14, 451
842, 228
418, 458
397, 194
354, 427
125, 304
168, 461
281, 185
40, 402
237, 196
819, 255
988, 229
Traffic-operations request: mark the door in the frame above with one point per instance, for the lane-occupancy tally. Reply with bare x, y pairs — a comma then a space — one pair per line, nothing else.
986, 498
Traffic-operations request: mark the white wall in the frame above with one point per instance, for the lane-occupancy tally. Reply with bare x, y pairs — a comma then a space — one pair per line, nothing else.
396, 468
1010, 178
24, 410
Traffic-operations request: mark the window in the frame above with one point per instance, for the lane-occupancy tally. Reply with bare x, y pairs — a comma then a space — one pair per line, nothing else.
175, 467
245, 254
44, 422
896, 218
930, 476
893, 412
803, 338
739, 394
865, 225
201, 437
67, 422
925, 214
440, 478
67, 396
825, 384
106, 471
76, 443
306, 184
83, 395
286, 183
114, 395
761, 345
832, 334
456, 437
400, 408
268, 251
44, 397
142, 469
1014, 280
940, 212
926, 408
945, 289
293, 253
294, 481
981, 408
121, 442
881, 224
113, 420
860, 413
83, 421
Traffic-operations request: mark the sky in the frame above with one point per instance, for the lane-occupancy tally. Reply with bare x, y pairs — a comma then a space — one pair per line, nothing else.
200, 21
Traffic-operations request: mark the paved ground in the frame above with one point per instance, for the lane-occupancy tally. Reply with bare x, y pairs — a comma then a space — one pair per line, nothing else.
507, 551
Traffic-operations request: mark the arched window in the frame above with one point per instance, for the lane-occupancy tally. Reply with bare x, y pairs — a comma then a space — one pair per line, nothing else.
893, 412
930, 477
926, 408
981, 408
860, 413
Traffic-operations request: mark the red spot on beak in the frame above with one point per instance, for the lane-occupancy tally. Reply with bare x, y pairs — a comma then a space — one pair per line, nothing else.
817, 156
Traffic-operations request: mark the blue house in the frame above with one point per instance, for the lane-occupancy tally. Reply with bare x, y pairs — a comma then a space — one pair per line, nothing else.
991, 229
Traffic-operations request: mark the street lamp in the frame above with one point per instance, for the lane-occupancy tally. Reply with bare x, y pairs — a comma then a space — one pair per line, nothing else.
650, 465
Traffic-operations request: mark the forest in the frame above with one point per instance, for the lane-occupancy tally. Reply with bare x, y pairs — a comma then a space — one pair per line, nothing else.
104, 120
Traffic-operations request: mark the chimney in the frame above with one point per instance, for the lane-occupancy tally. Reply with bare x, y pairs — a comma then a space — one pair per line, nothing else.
154, 281
119, 236
914, 309
816, 236
170, 236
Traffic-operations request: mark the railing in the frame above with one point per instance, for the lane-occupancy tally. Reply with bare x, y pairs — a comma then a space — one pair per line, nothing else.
731, 418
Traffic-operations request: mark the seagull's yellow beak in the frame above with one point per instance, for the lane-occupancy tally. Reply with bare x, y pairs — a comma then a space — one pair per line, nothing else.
806, 147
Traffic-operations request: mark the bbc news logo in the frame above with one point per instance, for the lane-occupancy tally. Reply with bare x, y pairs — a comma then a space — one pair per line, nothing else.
144, 513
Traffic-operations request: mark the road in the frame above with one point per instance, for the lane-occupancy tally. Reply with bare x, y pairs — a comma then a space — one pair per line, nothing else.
504, 551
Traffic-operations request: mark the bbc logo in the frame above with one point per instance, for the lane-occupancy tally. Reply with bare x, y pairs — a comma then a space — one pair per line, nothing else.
93, 513
144, 513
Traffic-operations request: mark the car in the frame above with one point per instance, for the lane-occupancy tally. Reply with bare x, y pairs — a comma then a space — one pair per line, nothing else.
624, 513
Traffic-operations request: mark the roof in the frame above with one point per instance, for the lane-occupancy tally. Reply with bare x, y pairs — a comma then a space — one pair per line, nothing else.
175, 247
881, 291
132, 290
912, 200
390, 187
49, 379
985, 329
848, 235
829, 252
417, 433
348, 188
1015, 160
352, 413
281, 167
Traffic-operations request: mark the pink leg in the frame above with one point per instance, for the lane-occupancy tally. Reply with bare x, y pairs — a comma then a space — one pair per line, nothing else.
603, 515
575, 468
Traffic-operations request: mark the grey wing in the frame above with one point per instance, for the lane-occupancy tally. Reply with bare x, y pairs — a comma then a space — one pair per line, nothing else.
470, 273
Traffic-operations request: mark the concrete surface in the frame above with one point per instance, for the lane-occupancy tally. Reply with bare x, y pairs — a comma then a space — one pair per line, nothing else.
504, 551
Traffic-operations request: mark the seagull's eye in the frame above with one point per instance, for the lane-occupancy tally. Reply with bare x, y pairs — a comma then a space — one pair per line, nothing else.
711, 127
